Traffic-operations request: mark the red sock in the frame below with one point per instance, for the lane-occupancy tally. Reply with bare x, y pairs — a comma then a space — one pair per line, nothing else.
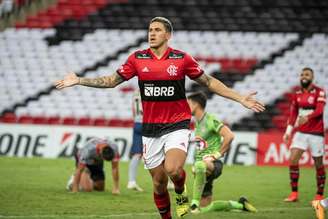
294, 173
321, 179
179, 182
163, 204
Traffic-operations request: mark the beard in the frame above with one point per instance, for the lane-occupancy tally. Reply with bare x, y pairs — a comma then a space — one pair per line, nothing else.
305, 83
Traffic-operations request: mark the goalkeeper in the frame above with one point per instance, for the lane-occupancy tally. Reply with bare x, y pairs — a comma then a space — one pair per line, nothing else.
208, 165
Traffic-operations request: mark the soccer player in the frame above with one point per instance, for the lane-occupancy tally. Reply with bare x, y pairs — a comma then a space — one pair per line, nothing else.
210, 148
320, 206
89, 173
306, 118
161, 72
136, 148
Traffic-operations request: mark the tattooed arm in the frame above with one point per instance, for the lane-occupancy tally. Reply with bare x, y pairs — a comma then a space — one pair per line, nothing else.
101, 82
218, 87
221, 89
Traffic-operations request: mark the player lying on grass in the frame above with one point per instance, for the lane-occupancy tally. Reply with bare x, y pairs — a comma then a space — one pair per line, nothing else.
320, 206
89, 173
208, 165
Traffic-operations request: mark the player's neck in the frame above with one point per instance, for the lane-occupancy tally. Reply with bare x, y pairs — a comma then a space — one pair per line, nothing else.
160, 51
199, 115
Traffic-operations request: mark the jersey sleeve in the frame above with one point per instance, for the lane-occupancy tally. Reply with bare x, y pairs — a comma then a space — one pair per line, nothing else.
214, 124
321, 96
192, 68
319, 109
128, 70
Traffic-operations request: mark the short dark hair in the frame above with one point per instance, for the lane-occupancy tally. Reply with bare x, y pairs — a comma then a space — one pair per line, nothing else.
198, 97
107, 153
308, 69
166, 22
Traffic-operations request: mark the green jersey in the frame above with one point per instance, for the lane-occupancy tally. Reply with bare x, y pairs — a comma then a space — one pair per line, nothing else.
208, 129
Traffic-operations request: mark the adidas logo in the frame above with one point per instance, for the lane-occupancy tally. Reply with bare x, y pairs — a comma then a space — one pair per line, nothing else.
145, 69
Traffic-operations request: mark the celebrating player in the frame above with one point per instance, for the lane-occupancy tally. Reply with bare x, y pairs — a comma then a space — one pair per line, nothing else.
208, 165
320, 206
306, 117
89, 174
136, 148
161, 72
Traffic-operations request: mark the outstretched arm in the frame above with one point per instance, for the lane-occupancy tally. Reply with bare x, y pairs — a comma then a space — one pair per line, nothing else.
220, 89
72, 79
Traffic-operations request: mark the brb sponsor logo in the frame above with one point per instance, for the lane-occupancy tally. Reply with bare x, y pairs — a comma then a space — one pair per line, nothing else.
158, 91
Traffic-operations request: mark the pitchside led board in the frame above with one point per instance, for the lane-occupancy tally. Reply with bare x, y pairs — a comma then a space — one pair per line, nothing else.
248, 148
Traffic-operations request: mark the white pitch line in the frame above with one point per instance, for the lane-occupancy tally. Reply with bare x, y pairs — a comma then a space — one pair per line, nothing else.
137, 214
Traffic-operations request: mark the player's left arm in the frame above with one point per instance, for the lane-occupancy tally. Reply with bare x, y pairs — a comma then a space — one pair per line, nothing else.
116, 177
221, 89
228, 137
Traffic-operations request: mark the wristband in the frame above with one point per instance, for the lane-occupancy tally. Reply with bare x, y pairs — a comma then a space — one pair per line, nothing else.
289, 129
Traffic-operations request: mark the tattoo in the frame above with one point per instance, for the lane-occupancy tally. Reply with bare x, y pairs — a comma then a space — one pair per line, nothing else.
204, 80
102, 82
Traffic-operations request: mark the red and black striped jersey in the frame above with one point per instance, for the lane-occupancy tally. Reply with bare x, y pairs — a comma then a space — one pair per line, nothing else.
311, 104
162, 88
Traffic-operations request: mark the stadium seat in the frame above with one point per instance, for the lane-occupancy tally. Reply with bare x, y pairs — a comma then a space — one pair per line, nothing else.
25, 119
84, 121
69, 121
8, 118
100, 122
54, 120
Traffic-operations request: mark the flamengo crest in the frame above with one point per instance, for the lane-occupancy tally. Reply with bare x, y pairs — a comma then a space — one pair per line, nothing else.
172, 70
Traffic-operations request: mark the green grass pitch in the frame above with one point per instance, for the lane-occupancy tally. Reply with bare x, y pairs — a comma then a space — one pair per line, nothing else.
35, 188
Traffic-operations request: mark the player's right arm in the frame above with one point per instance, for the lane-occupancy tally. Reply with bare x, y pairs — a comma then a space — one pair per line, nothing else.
77, 177
291, 119
221, 89
72, 79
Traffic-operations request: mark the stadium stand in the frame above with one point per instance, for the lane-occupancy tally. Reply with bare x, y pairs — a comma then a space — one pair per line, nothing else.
249, 45
29, 65
283, 77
